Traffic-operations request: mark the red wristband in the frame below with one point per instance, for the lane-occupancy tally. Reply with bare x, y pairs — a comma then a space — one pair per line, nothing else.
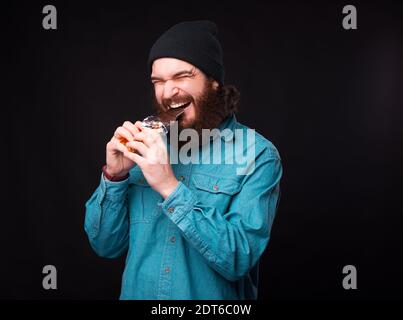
113, 178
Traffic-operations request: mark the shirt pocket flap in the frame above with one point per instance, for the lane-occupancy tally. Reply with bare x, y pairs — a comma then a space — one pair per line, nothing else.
216, 184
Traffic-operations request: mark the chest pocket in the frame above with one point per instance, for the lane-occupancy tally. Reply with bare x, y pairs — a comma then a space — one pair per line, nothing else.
143, 200
215, 191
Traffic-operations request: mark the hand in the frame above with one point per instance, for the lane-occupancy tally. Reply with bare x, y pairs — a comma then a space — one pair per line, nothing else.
117, 164
153, 160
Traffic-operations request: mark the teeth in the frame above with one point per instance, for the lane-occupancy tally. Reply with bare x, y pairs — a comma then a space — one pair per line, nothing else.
177, 105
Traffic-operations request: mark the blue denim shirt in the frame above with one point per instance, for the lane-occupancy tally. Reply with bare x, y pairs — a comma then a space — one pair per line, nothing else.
204, 240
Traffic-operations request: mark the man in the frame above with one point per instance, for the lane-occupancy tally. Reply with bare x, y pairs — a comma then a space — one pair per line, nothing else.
190, 230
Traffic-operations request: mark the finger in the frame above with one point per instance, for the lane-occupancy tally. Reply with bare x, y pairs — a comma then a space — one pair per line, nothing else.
120, 146
123, 133
130, 127
135, 158
139, 146
139, 125
156, 137
145, 137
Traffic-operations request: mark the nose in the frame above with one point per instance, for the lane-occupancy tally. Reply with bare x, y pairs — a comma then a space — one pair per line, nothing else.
170, 90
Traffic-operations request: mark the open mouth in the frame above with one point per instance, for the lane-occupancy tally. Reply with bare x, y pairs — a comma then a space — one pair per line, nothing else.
174, 111
180, 105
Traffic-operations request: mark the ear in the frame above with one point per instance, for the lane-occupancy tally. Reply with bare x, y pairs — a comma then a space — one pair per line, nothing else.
215, 85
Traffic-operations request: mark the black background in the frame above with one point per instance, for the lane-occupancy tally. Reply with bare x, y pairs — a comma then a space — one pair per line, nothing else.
329, 99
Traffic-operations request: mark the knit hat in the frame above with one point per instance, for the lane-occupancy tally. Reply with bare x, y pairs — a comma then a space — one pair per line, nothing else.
195, 42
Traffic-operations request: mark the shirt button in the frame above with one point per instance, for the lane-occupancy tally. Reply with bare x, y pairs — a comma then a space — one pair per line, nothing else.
167, 269
173, 239
215, 187
170, 209
181, 178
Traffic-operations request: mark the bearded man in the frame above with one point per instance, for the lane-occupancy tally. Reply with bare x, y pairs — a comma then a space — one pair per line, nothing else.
193, 230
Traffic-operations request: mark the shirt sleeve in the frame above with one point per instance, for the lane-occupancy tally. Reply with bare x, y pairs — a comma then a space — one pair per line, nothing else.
231, 242
106, 219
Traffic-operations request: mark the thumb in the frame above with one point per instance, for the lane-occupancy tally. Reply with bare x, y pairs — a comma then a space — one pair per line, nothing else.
139, 160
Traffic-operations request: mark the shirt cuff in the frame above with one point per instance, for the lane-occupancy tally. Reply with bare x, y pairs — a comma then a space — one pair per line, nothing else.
112, 178
180, 202
113, 191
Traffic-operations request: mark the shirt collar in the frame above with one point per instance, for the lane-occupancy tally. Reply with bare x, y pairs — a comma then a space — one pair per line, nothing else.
228, 123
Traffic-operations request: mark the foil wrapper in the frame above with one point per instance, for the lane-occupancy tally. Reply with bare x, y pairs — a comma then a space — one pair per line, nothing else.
155, 123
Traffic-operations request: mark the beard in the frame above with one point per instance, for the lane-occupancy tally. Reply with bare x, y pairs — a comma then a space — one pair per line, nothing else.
209, 108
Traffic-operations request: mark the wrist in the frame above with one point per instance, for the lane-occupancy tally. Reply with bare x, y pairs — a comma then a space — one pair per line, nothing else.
169, 188
112, 176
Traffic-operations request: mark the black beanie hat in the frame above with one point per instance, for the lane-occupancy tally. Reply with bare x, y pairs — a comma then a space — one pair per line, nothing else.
195, 42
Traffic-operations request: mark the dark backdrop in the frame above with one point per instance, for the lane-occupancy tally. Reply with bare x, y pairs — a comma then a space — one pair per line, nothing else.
328, 98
